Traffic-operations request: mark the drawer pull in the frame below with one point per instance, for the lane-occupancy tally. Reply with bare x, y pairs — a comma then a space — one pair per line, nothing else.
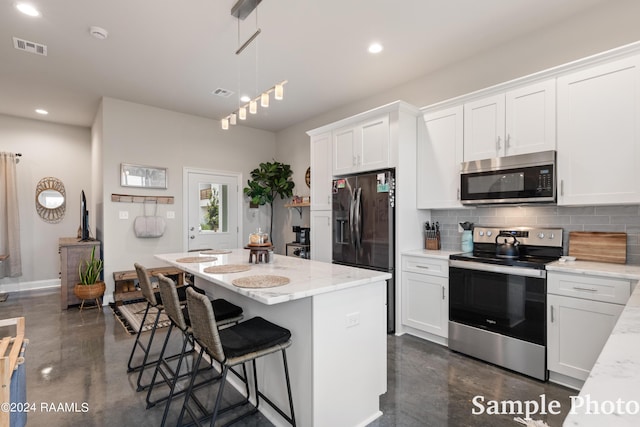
578, 288
426, 267
552, 314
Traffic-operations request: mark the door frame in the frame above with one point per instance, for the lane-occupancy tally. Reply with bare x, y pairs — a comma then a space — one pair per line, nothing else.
185, 202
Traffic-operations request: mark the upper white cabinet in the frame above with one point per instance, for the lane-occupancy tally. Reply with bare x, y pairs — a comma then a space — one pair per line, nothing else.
519, 121
598, 134
439, 157
362, 147
321, 178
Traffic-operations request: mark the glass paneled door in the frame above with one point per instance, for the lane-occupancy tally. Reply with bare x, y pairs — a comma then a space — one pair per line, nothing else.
212, 210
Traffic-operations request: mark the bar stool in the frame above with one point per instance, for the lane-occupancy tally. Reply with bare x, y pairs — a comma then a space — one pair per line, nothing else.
154, 300
227, 314
235, 345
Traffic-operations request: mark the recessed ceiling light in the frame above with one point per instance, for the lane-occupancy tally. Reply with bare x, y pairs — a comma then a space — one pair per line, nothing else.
42, 111
27, 9
375, 48
98, 32
245, 98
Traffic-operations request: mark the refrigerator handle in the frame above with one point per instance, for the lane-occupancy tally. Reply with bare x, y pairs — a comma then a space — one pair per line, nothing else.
351, 220
358, 220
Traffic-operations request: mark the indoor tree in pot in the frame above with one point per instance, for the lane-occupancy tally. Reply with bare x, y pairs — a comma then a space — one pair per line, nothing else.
90, 286
269, 180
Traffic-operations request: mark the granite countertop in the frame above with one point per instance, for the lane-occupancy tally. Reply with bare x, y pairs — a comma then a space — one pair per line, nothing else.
428, 253
621, 271
307, 277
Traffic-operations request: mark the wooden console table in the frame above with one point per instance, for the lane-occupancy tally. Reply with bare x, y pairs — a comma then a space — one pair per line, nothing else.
126, 282
72, 252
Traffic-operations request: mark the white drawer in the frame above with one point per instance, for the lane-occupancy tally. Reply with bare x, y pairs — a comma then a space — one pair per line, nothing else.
422, 265
597, 288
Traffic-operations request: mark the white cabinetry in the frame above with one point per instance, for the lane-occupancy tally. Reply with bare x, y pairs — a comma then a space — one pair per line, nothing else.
439, 158
425, 297
321, 172
362, 147
599, 134
519, 121
581, 313
320, 235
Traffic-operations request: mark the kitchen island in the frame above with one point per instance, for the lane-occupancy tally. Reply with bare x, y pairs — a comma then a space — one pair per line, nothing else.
337, 318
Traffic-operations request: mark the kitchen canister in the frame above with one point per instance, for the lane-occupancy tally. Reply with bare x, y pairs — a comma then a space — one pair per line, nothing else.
466, 241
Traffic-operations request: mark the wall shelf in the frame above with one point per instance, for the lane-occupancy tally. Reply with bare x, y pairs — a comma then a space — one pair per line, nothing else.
130, 198
298, 206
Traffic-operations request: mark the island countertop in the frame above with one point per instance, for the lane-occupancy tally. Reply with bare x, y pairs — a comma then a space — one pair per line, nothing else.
307, 277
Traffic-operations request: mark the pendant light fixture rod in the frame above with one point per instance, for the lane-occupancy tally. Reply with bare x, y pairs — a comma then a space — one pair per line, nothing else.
248, 42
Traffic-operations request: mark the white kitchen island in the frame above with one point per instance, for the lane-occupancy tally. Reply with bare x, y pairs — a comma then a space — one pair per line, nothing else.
337, 319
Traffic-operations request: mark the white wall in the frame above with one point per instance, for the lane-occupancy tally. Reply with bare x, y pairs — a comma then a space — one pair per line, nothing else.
48, 149
139, 134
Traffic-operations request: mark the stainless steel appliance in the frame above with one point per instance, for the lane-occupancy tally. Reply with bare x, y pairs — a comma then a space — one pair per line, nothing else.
524, 178
363, 226
497, 303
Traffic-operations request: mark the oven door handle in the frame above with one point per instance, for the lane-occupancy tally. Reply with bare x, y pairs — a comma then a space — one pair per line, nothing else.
494, 268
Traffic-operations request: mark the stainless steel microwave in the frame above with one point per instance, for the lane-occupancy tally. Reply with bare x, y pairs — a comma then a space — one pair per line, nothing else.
520, 179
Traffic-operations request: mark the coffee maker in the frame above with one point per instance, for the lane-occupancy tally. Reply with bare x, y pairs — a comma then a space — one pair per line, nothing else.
302, 235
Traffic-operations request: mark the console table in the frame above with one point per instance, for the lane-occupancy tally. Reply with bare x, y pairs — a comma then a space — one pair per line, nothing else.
72, 252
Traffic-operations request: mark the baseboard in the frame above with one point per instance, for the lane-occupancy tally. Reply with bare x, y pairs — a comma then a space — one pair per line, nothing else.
30, 286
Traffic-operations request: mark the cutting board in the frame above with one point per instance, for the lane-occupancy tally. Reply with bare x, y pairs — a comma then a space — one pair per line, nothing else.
598, 246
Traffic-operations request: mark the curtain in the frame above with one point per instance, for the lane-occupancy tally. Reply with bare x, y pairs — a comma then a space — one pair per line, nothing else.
11, 266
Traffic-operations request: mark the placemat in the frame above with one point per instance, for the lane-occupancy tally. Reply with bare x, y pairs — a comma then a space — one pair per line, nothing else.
215, 252
228, 268
197, 259
260, 281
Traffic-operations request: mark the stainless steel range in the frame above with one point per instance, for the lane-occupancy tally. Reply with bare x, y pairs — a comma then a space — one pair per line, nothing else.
497, 297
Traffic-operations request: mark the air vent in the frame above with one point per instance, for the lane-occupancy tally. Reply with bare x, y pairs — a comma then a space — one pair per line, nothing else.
225, 93
31, 47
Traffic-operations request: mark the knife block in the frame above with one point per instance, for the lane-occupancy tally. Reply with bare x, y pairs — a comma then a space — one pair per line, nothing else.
432, 240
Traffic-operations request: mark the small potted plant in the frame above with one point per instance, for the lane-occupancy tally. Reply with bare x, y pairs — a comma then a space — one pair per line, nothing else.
90, 286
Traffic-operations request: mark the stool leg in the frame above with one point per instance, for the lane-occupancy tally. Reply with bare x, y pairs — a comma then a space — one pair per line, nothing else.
137, 341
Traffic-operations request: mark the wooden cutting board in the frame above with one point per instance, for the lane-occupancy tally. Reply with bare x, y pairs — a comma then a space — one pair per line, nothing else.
598, 246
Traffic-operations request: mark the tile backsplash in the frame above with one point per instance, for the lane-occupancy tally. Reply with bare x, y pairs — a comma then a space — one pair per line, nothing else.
583, 218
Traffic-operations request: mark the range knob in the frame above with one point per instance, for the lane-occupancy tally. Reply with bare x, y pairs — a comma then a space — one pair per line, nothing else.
541, 235
489, 233
552, 236
481, 233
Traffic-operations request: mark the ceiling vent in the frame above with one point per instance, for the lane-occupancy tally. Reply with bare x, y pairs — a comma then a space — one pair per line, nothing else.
31, 47
224, 93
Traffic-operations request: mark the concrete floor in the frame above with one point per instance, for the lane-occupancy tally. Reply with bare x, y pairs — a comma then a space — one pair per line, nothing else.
78, 357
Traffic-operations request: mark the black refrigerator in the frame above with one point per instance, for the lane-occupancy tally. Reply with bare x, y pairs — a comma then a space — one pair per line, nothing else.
363, 226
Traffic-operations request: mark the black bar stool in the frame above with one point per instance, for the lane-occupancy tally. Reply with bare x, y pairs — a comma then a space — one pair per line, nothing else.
227, 314
232, 346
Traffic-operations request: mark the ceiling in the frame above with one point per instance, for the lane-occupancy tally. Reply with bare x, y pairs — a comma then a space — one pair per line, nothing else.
172, 54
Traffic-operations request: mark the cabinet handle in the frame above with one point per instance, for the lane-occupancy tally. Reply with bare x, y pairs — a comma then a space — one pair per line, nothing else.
458, 196
422, 266
506, 142
562, 187
443, 296
578, 288
353, 161
552, 320
498, 145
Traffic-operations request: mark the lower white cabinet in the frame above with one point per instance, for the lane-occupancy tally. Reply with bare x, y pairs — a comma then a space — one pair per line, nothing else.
581, 313
321, 245
425, 295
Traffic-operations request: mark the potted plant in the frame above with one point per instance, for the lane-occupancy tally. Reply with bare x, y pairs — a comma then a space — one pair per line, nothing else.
269, 180
90, 286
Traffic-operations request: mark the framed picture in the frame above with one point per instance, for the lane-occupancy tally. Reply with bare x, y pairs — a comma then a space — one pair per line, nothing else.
142, 176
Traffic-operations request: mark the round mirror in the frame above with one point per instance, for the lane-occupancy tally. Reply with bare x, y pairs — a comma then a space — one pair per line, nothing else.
50, 199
